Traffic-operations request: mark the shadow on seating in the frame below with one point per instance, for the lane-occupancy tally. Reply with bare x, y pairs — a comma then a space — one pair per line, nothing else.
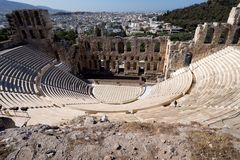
6, 123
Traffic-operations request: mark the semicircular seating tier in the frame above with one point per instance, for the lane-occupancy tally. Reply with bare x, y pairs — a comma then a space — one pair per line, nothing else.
217, 80
162, 93
19, 68
113, 94
62, 88
214, 98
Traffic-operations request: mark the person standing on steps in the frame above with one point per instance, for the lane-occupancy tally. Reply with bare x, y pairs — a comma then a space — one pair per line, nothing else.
175, 103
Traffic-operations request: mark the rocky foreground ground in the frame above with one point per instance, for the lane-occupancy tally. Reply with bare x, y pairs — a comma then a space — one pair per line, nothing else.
87, 138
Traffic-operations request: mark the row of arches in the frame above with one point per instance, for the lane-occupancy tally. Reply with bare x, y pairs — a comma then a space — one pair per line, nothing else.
33, 34
223, 37
132, 58
134, 66
28, 18
94, 64
120, 47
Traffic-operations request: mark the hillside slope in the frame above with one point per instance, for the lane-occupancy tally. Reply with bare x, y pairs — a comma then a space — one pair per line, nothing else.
7, 6
211, 11
89, 139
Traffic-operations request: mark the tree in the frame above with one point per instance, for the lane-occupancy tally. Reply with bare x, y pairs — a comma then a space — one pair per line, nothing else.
4, 34
68, 36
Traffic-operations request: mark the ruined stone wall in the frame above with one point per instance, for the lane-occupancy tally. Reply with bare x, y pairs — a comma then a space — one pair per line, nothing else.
31, 26
209, 38
130, 55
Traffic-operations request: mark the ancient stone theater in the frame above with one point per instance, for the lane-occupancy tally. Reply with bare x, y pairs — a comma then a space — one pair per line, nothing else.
126, 78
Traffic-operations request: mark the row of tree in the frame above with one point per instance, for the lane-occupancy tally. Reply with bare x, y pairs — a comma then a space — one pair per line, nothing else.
4, 34
190, 17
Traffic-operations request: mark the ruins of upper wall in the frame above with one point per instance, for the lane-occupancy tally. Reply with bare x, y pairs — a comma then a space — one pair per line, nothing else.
130, 55
209, 38
31, 26
114, 54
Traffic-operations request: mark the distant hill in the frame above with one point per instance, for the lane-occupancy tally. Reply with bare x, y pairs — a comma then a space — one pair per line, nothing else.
7, 6
210, 11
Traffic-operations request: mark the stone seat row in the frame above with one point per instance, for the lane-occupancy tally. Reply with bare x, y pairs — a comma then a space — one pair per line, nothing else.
9, 99
16, 70
57, 78
217, 81
62, 88
63, 67
23, 51
116, 94
27, 58
173, 86
9, 84
151, 100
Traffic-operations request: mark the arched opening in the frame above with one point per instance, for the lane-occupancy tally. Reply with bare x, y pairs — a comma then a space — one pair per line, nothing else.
151, 58
134, 65
32, 34
146, 58
36, 15
236, 36
129, 47
209, 36
224, 36
121, 67
24, 34
120, 47
95, 64
101, 66
87, 46
79, 67
108, 64
142, 47
27, 17
113, 47
155, 66
41, 34
128, 65
113, 65
157, 47
99, 46
148, 66
56, 55
19, 18
141, 68
90, 64
188, 59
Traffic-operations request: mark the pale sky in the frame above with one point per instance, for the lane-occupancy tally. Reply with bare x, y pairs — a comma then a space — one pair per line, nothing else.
113, 5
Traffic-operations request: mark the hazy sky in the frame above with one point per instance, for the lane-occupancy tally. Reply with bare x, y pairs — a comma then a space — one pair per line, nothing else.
113, 5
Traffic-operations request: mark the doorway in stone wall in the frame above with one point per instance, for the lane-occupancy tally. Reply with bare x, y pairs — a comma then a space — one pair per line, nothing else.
121, 67
141, 71
141, 68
